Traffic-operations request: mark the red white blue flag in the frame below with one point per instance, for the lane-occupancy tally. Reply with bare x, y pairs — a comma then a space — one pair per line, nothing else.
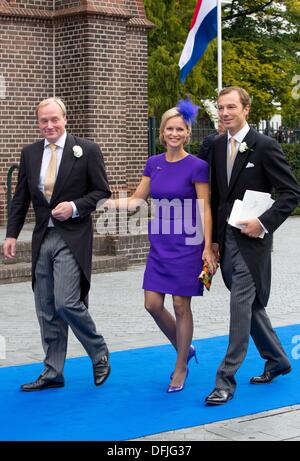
203, 29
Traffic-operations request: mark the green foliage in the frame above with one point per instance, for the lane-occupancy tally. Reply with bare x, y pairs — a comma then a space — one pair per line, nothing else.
292, 155
166, 40
291, 106
260, 45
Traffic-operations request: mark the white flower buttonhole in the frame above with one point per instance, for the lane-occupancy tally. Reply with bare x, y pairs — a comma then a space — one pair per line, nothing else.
243, 147
78, 152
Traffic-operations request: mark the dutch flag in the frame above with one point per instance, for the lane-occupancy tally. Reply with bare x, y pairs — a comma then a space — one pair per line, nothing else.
203, 30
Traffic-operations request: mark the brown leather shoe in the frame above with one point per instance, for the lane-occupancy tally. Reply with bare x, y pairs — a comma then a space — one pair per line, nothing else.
41, 384
268, 376
218, 397
101, 370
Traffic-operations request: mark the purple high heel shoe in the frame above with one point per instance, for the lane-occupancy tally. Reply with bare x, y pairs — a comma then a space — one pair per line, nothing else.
172, 389
192, 353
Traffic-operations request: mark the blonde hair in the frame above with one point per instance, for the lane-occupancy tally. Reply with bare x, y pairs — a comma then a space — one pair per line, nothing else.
47, 101
171, 113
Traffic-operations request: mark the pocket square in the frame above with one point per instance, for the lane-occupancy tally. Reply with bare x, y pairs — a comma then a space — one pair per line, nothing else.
250, 165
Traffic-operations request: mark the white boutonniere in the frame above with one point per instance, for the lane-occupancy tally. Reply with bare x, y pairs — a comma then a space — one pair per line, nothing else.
243, 147
78, 152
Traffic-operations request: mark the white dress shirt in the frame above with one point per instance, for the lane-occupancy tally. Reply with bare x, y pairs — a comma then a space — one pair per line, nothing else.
239, 136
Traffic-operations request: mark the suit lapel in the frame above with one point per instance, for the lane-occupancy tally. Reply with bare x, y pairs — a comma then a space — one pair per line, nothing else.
67, 162
36, 159
221, 160
242, 157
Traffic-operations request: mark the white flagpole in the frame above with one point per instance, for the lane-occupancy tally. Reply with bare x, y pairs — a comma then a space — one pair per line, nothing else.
219, 3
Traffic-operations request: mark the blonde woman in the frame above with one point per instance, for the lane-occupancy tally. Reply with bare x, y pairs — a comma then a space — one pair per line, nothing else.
179, 240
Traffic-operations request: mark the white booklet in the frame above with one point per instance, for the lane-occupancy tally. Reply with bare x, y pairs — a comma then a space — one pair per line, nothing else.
252, 206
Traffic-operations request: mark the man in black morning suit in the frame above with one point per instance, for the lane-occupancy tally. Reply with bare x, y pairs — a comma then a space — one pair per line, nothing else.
207, 144
245, 159
64, 177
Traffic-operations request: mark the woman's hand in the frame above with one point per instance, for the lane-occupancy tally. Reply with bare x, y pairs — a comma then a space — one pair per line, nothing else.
210, 257
110, 204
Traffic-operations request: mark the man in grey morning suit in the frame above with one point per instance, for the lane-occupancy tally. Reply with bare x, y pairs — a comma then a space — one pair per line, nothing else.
64, 177
258, 164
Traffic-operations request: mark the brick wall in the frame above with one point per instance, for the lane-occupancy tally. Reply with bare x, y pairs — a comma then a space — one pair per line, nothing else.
134, 247
136, 103
44, 4
100, 72
27, 80
59, 4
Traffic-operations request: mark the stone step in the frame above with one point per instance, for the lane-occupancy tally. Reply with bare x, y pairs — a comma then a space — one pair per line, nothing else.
13, 273
101, 247
23, 255
108, 263
21, 272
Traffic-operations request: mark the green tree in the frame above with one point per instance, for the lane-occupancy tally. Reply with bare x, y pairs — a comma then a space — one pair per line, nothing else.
260, 45
166, 39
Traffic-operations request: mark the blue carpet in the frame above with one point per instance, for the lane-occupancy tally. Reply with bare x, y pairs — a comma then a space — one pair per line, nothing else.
133, 402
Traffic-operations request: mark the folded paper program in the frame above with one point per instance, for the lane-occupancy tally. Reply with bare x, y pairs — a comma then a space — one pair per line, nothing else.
253, 205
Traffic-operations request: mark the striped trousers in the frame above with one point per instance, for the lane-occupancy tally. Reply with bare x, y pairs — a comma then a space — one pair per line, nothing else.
58, 306
247, 318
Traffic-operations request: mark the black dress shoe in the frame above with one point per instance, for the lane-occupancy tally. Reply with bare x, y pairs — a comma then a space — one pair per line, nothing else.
101, 370
41, 384
218, 397
268, 376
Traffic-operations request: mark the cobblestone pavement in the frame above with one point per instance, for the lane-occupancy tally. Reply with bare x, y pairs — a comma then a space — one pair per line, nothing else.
116, 304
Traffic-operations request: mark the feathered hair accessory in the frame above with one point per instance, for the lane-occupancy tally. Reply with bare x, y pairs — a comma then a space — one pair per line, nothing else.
188, 110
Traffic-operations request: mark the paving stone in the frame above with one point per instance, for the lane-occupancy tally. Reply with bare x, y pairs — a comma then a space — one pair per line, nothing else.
255, 437
117, 306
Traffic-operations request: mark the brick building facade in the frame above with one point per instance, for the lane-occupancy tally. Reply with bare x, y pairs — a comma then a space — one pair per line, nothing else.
93, 54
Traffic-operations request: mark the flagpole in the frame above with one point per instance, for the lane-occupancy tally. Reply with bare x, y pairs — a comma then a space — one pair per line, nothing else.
219, 3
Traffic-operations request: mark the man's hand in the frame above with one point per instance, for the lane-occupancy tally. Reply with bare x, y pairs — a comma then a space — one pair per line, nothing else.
62, 211
251, 227
9, 248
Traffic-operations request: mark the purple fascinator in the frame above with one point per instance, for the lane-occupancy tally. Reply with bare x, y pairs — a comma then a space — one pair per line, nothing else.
188, 110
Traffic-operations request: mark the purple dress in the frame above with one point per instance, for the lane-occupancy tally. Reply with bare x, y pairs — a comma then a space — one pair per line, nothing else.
175, 230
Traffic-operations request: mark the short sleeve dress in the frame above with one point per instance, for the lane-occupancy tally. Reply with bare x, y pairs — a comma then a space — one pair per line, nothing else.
176, 226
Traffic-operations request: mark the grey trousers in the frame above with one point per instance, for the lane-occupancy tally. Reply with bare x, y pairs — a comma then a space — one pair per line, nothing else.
247, 318
58, 305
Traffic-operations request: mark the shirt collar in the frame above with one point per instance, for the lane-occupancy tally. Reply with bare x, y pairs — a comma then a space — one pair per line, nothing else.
240, 135
59, 143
